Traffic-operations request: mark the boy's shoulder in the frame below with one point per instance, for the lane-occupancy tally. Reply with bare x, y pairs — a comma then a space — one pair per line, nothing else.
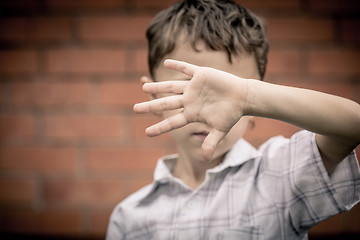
277, 143
131, 202
127, 211
162, 173
273, 142
137, 196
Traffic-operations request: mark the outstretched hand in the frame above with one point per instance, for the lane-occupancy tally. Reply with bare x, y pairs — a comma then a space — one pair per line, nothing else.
213, 97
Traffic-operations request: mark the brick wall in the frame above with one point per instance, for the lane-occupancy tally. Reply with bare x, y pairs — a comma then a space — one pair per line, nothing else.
70, 145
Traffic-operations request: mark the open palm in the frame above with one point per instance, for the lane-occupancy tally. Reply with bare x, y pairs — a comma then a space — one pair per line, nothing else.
213, 97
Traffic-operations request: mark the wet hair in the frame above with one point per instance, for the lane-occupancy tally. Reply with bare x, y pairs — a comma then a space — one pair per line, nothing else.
221, 24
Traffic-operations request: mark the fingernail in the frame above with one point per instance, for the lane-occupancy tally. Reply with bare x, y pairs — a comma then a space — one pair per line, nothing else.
136, 106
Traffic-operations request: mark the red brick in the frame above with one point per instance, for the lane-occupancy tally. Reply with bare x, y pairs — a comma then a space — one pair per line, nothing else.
353, 217
350, 31
138, 180
16, 126
283, 62
83, 192
16, 191
18, 61
273, 4
2, 94
85, 61
300, 29
19, 4
99, 222
82, 126
334, 62
330, 226
114, 28
46, 94
122, 159
141, 122
50, 222
84, 5
334, 6
141, 61
122, 93
35, 29
158, 4
136, 185
356, 92
357, 150
263, 4
38, 159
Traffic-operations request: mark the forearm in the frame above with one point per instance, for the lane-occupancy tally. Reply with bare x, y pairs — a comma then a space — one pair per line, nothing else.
315, 111
335, 119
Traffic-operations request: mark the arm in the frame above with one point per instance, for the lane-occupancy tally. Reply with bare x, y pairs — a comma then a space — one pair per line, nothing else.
335, 120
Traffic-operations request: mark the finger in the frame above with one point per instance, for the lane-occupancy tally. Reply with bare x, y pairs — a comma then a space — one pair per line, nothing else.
159, 104
168, 124
165, 87
184, 67
210, 143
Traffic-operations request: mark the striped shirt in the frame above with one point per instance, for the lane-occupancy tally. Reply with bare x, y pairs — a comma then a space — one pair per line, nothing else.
277, 192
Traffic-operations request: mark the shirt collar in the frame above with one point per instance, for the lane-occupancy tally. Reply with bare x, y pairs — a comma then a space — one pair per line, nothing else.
241, 152
164, 168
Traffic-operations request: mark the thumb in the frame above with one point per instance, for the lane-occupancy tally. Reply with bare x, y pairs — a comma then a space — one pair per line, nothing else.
210, 143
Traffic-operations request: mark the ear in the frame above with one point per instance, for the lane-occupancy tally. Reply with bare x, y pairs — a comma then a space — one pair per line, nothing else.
145, 79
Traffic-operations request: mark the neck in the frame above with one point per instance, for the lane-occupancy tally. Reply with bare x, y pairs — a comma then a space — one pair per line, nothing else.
192, 171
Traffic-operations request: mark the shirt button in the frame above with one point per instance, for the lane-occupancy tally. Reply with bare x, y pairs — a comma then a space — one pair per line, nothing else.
191, 204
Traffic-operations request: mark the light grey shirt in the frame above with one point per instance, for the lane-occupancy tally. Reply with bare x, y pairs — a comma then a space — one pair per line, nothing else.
277, 192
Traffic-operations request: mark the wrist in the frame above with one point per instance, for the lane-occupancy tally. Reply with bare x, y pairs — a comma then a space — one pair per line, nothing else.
248, 108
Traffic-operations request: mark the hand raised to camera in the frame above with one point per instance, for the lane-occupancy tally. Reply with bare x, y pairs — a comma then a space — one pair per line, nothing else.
213, 97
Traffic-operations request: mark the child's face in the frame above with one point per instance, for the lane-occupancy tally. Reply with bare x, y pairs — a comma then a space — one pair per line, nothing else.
189, 138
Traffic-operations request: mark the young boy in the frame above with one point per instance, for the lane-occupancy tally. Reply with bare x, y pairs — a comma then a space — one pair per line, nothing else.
218, 186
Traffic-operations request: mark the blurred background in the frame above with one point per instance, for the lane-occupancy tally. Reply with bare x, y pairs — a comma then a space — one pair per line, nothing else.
70, 146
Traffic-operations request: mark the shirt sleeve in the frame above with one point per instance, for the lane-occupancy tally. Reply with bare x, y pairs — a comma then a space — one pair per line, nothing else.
310, 194
115, 230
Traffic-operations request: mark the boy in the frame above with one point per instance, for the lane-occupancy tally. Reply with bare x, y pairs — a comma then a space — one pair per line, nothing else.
218, 186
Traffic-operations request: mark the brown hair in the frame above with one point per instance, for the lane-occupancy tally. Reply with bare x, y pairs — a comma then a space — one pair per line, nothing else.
221, 24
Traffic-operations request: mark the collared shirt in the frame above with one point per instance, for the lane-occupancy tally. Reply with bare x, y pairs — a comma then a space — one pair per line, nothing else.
277, 192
